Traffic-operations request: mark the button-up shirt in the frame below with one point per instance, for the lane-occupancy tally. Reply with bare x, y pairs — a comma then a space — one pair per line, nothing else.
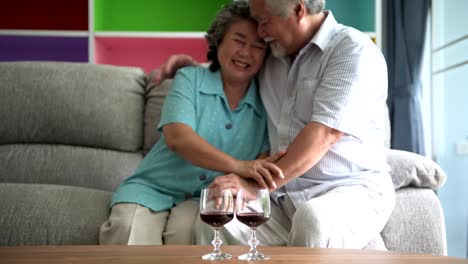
338, 79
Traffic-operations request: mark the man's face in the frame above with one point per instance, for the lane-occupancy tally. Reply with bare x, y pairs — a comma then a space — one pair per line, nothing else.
274, 29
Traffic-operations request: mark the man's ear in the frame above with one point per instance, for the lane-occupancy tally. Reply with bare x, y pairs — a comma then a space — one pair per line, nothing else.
300, 10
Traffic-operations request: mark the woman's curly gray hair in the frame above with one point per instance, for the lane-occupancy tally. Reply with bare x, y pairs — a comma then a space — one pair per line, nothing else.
229, 14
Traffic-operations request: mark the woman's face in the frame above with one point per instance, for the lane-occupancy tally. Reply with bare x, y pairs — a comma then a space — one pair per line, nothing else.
241, 52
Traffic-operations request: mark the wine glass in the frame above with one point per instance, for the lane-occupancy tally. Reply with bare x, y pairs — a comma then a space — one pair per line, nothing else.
216, 209
253, 209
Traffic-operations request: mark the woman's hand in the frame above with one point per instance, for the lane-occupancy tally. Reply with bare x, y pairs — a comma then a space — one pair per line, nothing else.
263, 171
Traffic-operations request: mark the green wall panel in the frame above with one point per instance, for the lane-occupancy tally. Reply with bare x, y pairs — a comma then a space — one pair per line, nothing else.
155, 15
359, 14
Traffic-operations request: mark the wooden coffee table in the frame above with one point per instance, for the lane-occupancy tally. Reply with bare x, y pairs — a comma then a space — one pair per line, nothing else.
191, 254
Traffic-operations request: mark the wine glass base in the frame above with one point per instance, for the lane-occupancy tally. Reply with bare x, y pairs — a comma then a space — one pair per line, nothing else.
253, 256
216, 256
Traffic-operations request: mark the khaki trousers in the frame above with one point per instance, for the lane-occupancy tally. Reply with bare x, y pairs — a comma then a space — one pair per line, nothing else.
344, 217
133, 224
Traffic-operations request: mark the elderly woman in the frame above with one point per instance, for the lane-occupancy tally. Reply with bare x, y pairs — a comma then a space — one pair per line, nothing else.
213, 122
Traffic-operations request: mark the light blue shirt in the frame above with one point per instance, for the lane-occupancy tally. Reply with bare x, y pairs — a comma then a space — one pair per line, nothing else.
338, 79
196, 99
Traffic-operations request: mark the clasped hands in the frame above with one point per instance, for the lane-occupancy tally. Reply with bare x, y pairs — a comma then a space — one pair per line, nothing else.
253, 173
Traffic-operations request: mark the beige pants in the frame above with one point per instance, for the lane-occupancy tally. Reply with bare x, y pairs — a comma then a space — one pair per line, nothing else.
344, 217
133, 224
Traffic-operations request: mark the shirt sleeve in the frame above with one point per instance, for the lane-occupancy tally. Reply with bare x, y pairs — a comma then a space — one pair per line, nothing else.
180, 104
353, 88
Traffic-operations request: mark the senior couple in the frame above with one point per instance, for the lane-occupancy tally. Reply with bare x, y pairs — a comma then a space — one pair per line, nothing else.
315, 138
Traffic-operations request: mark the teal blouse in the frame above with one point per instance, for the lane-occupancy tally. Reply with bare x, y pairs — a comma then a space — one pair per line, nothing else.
164, 179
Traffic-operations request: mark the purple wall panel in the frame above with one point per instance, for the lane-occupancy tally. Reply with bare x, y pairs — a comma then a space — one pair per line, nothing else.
32, 48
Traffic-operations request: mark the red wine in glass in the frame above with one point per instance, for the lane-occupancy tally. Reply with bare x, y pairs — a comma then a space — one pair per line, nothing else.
216, 219
252, 220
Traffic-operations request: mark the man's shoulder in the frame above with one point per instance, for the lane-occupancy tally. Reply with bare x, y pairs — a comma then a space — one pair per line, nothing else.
349, 41
350, 35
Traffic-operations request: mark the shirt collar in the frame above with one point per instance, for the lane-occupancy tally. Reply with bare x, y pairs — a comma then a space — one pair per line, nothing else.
214, 86
322, 38
326, 31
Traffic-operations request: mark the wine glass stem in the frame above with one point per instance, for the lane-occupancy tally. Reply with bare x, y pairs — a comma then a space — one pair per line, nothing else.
253, 242
216, 242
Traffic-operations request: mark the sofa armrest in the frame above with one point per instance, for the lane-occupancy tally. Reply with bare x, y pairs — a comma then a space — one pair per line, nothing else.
411, 169
417, 223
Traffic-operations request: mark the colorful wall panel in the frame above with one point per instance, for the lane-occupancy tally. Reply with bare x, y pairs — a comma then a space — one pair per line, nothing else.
145, 52
142, 33
359, 14
44, 14
155, 15
43, 48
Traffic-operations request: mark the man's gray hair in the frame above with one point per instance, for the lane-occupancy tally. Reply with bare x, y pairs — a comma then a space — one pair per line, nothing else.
281, 7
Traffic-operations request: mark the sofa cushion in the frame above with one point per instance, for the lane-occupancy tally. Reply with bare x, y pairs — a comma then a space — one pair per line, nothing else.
35, 214
72, 104
410, 169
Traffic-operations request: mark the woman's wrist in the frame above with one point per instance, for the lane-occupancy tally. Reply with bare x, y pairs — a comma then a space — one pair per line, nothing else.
235, 166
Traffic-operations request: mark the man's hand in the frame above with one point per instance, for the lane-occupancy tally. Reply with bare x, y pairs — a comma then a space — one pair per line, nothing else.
168, 69
263, 171
233, 182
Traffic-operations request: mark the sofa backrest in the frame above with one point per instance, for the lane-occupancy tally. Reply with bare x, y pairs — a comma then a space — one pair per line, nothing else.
70, 123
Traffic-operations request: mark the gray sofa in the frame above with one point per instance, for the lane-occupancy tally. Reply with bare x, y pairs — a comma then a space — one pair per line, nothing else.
71, 132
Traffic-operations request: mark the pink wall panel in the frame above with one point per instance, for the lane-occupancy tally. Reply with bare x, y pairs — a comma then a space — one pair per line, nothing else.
146, 53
